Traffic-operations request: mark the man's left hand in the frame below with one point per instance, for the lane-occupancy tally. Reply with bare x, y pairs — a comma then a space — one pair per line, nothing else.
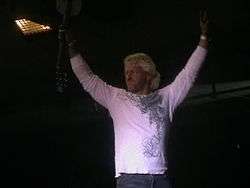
204, 23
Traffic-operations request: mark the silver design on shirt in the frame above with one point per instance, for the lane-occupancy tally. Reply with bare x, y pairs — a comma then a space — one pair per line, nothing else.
152, 105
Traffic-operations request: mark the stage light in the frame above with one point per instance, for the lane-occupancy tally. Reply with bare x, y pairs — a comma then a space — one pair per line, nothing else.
29, 27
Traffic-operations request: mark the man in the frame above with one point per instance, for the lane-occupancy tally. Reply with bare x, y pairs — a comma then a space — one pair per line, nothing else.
142, 114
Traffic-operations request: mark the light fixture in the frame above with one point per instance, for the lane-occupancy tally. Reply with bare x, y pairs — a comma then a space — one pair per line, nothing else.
29, 27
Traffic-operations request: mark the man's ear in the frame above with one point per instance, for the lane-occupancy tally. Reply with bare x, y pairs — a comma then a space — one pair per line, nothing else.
149, 77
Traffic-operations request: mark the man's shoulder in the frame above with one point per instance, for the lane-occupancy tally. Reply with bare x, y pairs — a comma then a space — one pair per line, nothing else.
165, 89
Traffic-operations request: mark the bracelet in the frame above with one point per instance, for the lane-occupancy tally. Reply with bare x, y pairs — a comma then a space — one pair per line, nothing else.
203, 37
72, 43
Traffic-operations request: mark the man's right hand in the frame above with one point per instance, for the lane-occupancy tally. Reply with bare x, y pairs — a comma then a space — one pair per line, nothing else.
72, 44
69, 36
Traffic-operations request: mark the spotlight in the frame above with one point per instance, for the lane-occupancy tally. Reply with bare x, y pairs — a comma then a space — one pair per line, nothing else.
29, 27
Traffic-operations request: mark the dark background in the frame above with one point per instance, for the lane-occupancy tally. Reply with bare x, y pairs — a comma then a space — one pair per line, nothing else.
66, 140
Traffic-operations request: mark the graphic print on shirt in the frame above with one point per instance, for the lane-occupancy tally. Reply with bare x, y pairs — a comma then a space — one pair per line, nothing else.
151, 105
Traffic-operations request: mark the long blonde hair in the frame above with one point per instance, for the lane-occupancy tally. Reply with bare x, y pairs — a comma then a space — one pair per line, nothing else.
148, 65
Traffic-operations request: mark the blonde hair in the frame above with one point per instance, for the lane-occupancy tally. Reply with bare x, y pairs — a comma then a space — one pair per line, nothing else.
147, 64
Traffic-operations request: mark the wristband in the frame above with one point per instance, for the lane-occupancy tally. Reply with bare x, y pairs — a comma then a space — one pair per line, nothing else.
72, 43
203, 37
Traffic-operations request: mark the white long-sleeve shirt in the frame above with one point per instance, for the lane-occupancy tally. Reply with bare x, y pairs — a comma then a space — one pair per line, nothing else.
141, 122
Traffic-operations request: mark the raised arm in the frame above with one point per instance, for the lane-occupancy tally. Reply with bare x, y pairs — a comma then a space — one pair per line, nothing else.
180, 87
97, 88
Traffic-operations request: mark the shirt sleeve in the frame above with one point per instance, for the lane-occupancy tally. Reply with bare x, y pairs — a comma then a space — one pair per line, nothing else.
97, 88
180, 87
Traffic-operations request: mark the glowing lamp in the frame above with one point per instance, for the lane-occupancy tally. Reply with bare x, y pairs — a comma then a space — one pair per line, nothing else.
29, 28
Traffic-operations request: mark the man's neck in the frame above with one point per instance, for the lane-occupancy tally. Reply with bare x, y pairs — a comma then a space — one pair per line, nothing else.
144, 91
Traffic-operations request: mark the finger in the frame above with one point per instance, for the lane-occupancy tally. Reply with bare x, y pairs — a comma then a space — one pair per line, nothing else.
205, 16
201, 15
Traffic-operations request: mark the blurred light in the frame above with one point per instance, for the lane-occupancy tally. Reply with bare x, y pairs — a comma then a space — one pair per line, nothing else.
29, 28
